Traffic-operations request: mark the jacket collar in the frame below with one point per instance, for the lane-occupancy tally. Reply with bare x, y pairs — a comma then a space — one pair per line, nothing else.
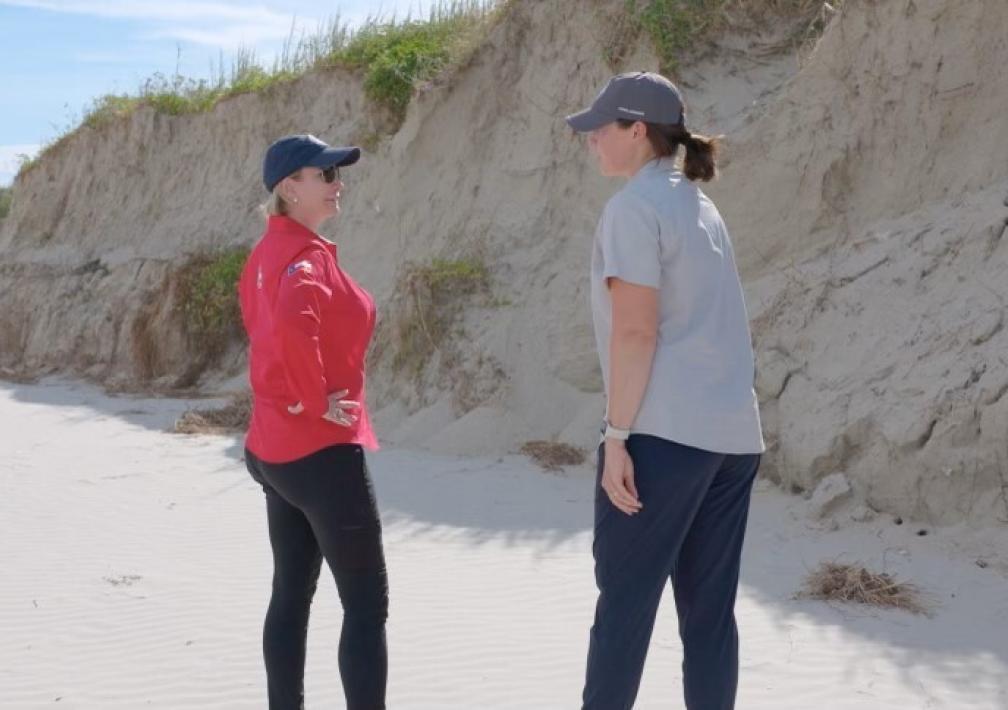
295, 237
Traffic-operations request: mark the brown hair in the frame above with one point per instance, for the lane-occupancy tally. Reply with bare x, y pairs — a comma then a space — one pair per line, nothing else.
701, 151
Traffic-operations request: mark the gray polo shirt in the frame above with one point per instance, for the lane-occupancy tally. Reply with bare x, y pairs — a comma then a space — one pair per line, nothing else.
661, 231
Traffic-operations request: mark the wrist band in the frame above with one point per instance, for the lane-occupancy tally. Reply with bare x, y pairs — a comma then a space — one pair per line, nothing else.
612, 432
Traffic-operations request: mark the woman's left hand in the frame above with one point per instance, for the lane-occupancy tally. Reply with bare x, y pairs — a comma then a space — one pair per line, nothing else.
618, 478
339, 409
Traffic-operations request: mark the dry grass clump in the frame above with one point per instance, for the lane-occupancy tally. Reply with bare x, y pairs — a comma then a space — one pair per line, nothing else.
553, 455
208, 300
423, 315
833, 581
234, 416
677, 27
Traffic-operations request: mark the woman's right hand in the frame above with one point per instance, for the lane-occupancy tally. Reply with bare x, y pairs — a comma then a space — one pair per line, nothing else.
618, 477
338, 407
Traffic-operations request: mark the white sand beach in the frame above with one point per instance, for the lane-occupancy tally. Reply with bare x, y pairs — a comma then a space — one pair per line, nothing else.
136, 569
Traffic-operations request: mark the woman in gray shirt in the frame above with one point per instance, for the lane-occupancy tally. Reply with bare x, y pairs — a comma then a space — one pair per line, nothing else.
682, 440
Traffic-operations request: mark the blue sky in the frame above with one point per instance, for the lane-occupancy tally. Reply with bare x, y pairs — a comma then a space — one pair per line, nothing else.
57, 56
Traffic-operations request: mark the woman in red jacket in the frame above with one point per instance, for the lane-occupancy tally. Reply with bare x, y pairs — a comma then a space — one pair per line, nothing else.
309, 325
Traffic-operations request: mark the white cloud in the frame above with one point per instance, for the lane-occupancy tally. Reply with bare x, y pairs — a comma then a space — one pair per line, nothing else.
171, 12
10, 160
218, 24
226, 36
104, 57
226, 24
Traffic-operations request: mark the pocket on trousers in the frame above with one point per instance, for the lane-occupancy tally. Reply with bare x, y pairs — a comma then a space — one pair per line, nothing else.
358, 527
356, 503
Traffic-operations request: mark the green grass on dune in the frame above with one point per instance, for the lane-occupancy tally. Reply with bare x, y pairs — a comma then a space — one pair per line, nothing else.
394, 55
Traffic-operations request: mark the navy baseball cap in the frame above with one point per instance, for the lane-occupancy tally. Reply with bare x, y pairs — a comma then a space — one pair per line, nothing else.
291, 153
637, 96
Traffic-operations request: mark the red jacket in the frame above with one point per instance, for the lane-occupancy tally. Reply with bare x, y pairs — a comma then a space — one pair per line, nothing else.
308, 325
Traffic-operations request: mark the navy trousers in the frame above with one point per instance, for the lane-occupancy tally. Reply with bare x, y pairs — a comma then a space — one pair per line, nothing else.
690, 531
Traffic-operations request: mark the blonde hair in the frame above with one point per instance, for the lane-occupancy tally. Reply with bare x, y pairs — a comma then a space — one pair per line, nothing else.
276, 205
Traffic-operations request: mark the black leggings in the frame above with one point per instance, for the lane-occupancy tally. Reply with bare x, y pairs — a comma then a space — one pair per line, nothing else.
323, 505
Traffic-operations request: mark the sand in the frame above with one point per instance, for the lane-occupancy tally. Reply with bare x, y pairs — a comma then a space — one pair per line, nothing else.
136, 571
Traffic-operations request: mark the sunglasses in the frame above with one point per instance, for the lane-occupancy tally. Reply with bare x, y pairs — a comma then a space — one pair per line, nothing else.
330, 174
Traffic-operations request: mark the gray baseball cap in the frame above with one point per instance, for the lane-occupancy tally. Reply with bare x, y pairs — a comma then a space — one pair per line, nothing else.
637, 96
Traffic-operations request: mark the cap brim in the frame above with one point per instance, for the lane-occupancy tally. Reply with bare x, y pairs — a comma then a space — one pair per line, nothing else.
338, 157
588, 120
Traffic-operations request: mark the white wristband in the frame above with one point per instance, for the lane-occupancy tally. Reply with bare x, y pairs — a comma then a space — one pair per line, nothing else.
612, 432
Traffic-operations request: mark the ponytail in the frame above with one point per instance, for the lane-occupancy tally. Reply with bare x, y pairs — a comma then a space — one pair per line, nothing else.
275, 206
700, 162
701, 157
